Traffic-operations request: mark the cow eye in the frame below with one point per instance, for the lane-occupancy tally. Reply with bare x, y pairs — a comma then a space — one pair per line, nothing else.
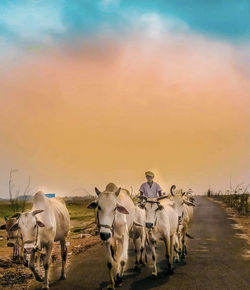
99, 208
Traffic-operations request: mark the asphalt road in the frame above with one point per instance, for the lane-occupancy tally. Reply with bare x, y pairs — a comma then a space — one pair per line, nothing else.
214, 261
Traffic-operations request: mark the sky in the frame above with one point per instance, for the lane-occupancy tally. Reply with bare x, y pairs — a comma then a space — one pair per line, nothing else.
93, 92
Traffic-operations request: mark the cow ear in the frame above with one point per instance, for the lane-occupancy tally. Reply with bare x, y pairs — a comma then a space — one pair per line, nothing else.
37, 211
14, 228
16, 215
141, 205
118, 191
121, 209
40, 224
5, 218
189, 203
97, 191
3, 227
92, 205
160, 207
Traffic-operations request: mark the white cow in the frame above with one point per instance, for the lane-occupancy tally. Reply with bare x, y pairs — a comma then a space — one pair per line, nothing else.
115, 218
46, 223
161, 222
184, 209
138, 235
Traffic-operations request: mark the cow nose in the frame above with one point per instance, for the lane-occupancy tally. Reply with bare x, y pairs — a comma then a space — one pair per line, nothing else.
149, 225
28, 250
104, 236
9, 244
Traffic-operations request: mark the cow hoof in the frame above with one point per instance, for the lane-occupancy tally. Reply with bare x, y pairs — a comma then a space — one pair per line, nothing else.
118, 281
136, 268
154, 276
170, 271
111, 287
63, 277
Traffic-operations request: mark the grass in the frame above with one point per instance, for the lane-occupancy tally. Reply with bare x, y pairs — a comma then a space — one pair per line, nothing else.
6, 210
80, 212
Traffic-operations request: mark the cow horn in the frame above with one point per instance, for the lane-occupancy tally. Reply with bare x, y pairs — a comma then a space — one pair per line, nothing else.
118, 191
37, 211
162, 197
173, 187
97, 191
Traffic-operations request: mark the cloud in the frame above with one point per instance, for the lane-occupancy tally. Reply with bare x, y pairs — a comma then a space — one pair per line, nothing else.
109, 4
27, 23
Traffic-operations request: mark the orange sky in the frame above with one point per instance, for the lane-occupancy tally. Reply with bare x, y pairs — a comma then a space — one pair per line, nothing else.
178, 106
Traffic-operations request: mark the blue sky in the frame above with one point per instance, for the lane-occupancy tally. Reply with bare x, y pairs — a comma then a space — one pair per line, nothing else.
46, 21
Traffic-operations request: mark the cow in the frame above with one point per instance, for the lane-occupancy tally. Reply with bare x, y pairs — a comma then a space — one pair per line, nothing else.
115, 218
14, 238
138, 235
47, 222
184, 209
161, 224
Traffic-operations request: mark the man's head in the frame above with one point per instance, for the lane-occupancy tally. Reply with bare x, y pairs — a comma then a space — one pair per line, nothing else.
149, 176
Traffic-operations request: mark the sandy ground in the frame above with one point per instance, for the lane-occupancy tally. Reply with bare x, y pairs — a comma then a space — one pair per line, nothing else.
242, 222
16, 276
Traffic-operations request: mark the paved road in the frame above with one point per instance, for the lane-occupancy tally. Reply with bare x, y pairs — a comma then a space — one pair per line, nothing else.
214, 260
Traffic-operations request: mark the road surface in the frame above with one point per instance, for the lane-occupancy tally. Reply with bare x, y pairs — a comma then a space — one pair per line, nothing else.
214, 261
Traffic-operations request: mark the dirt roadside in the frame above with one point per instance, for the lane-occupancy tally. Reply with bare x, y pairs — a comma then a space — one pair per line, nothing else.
16, 276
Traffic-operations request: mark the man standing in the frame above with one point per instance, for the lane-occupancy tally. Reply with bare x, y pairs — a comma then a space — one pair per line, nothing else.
150, 188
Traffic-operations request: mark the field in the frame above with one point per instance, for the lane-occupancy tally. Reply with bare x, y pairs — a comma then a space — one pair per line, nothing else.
240, 202
81, 236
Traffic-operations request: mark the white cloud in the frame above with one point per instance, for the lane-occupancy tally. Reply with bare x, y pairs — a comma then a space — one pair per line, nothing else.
32, 23
109, 4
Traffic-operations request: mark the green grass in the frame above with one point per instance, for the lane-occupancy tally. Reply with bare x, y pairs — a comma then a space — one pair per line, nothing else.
6, 210
78, 211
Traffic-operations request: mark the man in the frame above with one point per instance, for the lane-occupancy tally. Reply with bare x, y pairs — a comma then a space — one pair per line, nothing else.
150, 188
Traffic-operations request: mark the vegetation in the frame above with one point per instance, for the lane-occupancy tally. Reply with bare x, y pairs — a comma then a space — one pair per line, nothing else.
235, 199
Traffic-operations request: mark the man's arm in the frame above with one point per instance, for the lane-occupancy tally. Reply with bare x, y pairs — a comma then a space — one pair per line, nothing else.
160, 193
141, 190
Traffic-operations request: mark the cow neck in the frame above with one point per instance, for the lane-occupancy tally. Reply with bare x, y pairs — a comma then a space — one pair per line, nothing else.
36, 239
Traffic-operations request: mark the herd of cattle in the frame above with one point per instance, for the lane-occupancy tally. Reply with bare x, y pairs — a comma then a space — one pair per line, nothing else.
118, 219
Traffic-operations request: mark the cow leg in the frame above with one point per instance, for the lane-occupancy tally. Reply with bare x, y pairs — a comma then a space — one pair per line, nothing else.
168, 251
46, 265
154, 258
143, 258
32, 267
64, 259
112, 266
123, 258
38, 258
137, 252
171, 248
183, 250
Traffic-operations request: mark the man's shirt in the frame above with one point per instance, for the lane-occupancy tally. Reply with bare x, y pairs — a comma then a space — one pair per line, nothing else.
150, 190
